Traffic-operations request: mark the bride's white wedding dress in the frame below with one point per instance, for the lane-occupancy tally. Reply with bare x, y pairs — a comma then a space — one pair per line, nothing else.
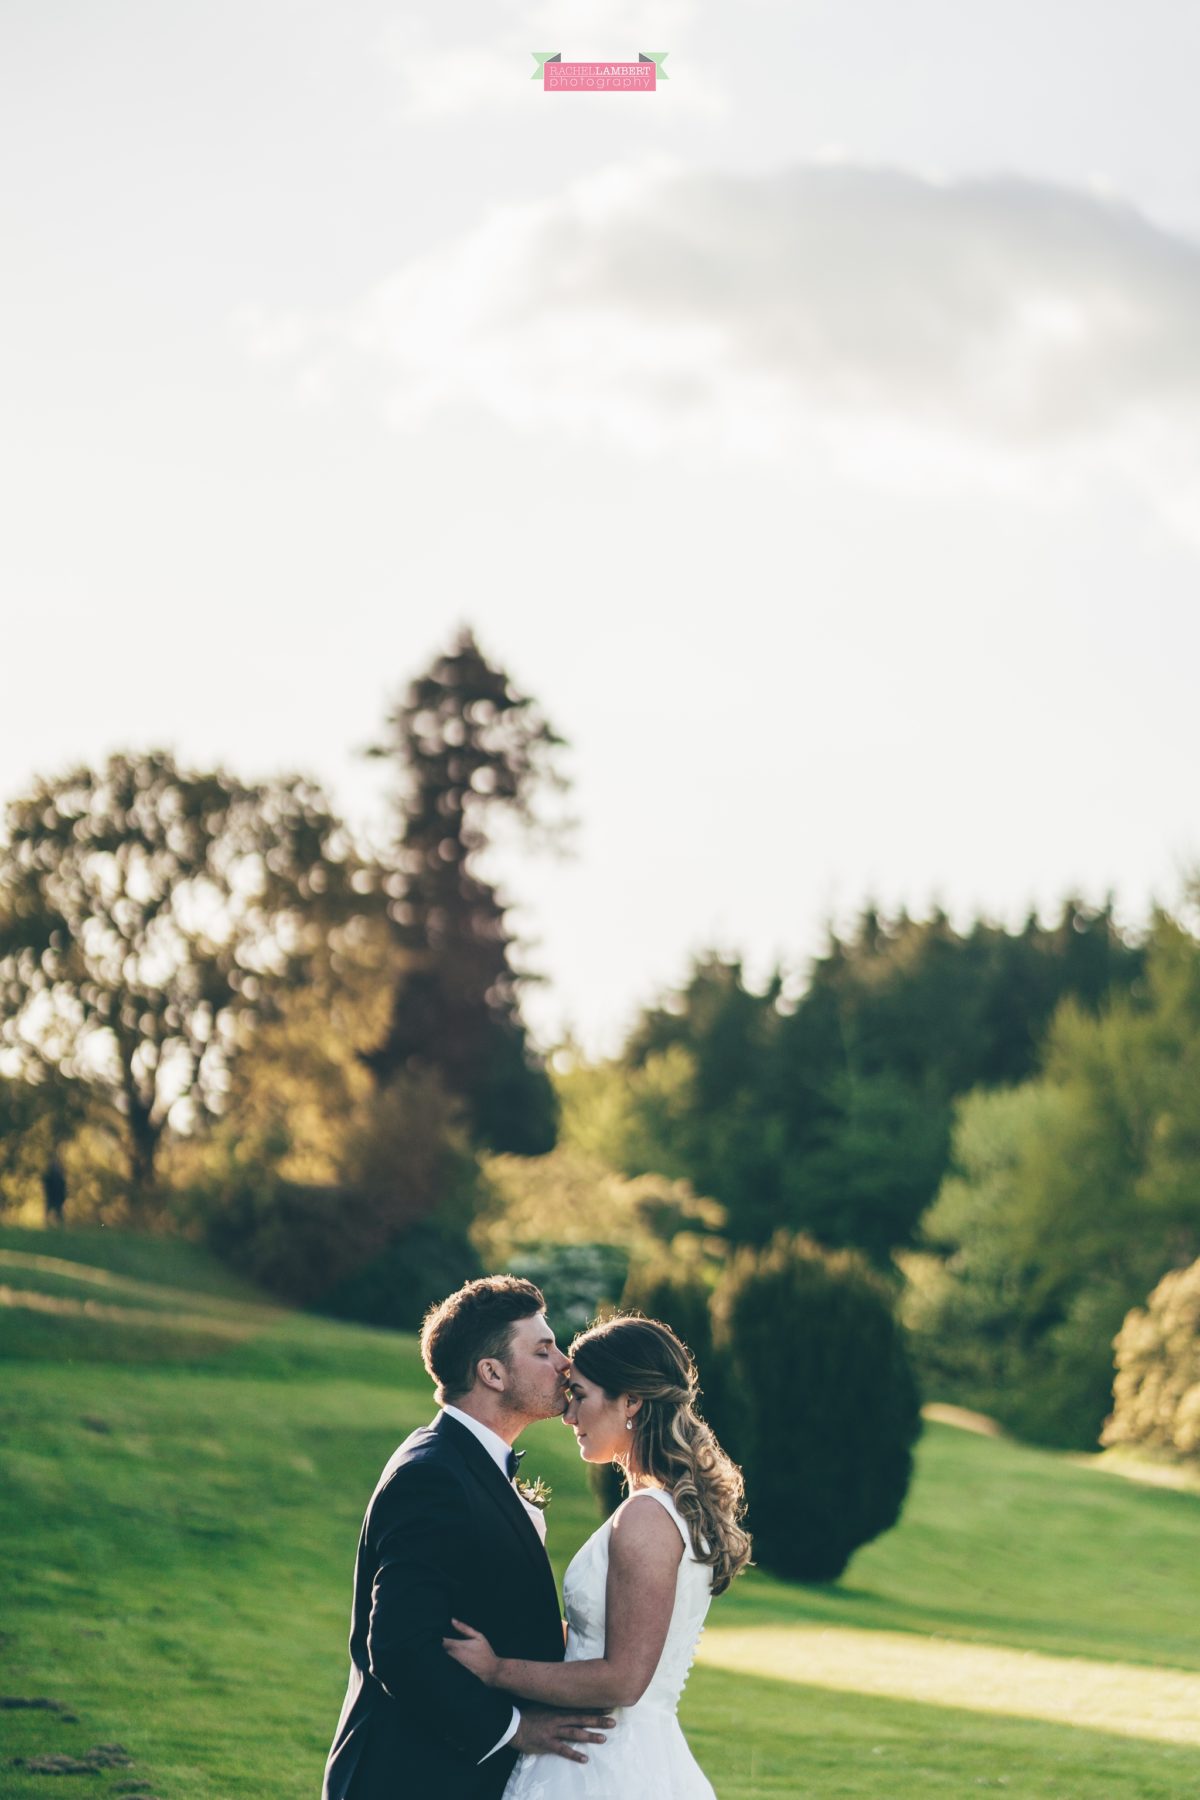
647, 1754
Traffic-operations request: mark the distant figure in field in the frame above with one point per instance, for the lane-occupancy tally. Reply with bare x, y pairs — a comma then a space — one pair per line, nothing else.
54, 1188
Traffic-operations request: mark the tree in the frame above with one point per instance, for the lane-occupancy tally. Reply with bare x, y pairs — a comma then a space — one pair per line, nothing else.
297, 1087
1068, 1199
821, 1407
144, 911
702, 1075
971, 1299
373, 1245
870, 1169
471, 751
831, 1113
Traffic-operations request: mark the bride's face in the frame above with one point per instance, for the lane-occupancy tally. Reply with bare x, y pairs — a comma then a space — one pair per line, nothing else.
598, 1422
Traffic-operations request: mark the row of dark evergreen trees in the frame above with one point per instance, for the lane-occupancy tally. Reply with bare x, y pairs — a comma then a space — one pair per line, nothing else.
831, 1114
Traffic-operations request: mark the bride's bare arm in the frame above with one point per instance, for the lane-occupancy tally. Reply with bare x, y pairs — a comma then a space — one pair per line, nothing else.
645, 1549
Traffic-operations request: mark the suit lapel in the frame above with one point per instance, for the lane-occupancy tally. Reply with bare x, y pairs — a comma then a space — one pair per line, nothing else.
500, 1490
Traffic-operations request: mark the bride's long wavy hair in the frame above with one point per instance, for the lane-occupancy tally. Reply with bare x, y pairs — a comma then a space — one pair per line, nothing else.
671, 1443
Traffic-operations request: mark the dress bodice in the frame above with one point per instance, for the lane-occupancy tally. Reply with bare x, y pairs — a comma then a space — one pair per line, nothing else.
646, 1754
584, 1591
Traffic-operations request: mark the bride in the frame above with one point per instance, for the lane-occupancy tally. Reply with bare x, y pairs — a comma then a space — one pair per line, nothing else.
637, 1593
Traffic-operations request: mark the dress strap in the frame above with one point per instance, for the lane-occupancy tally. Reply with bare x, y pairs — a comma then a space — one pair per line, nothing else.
667, 1502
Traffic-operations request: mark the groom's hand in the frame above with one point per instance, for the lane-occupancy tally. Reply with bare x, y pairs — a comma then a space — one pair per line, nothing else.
547, 1731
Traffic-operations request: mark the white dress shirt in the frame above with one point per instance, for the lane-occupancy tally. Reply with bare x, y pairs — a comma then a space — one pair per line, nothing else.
498, 1450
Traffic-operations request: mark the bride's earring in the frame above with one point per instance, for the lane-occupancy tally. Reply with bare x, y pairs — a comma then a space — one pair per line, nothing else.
629, 1424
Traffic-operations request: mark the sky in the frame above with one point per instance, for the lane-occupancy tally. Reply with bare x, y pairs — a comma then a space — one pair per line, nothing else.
817, 437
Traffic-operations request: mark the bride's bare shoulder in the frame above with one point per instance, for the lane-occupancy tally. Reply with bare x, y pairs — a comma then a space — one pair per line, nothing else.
644, 1526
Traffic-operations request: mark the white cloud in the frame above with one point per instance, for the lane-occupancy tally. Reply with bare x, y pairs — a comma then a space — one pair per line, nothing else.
919, 330
442, 80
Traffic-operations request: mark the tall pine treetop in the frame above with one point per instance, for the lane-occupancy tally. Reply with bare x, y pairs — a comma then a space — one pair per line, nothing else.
469, 749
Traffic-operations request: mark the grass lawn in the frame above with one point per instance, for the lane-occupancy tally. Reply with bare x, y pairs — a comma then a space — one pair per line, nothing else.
183, 1470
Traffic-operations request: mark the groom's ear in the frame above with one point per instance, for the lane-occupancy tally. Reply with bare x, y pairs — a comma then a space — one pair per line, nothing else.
490, 1373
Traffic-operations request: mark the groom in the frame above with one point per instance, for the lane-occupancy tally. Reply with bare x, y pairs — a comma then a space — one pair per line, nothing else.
447, 1535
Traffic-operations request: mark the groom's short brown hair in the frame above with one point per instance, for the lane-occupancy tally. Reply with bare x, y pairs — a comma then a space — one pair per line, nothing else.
475, 1322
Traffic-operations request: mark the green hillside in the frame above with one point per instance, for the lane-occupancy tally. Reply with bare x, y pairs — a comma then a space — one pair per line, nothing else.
184, 1472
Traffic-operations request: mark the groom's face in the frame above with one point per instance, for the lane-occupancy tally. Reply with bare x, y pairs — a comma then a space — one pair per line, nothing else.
536, 1369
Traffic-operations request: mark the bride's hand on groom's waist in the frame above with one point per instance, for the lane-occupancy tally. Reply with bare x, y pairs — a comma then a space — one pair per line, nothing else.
547, 1731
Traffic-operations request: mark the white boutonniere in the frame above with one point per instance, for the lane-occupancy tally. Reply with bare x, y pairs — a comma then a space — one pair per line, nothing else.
536, 1492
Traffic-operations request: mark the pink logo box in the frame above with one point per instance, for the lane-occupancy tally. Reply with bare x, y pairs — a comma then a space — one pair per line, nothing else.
559, 77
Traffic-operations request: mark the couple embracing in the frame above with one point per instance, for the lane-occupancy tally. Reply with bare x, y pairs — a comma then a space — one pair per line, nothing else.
461, 1684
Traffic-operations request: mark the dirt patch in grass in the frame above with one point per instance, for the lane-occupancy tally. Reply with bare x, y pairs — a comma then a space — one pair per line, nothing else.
100, 1756
39, 1703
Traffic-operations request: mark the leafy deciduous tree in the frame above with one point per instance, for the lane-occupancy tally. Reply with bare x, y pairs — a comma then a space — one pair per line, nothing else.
143, 909
1069, 1199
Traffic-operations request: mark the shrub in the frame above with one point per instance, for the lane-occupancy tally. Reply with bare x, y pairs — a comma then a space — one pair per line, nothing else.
822, 1409
1156, 1395
290, 1238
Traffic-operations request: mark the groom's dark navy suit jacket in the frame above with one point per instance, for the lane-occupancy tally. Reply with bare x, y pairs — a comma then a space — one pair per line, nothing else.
445, 1535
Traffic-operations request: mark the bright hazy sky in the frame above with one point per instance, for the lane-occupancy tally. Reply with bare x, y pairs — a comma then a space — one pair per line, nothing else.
818, 438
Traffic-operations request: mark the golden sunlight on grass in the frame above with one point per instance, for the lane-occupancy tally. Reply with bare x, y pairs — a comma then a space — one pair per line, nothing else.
1134, 1701
82, 1274
1184, 1477
60, 1306
962, 1419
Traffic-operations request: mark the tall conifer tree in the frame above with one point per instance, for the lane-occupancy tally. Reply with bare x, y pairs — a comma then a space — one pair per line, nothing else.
470, 750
